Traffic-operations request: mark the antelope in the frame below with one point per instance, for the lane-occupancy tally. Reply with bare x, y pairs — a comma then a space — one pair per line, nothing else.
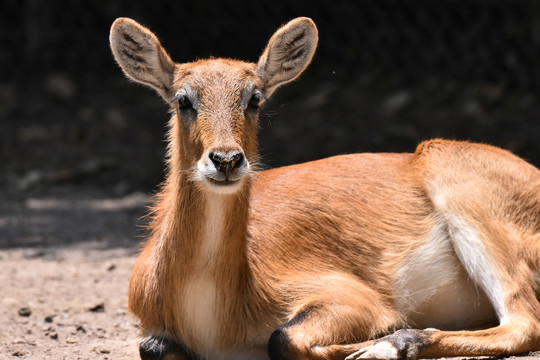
434, 253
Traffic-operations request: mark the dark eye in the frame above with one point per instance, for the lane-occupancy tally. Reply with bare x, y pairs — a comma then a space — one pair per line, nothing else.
184, 103
255, 100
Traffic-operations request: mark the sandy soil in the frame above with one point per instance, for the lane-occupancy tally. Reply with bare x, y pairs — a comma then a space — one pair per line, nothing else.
66, 304
64, 287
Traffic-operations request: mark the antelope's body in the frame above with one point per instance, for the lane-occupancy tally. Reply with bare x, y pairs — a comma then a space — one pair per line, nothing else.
348, 256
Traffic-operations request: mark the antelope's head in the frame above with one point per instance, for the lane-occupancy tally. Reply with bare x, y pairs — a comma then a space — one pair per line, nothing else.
215, 102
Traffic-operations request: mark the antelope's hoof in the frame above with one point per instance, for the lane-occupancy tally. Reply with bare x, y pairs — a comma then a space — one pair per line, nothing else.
404, 344
382, 351
157, 348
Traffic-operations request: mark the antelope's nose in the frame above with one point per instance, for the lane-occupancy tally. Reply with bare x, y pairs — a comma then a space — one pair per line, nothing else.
229, 163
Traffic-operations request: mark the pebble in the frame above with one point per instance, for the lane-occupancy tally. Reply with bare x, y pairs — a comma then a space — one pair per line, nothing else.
24, 311
81, 328
98, 308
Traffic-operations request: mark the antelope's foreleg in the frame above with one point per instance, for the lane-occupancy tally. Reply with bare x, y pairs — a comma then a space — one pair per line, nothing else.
348, 312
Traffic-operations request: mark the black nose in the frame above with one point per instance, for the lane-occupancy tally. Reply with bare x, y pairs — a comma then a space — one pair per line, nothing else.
229, 163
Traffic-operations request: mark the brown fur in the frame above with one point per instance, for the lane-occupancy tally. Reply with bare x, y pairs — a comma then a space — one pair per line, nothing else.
324, 258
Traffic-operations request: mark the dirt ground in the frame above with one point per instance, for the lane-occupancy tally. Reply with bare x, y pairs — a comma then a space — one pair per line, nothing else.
66, 304
69, 301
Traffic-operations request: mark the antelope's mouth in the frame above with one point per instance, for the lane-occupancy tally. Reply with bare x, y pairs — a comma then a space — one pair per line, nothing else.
224, 185
224, 182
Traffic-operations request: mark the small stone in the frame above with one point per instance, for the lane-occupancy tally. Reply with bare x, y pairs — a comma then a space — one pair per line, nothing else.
53, 336
71, 340
98, 308
24, 311
49, 319
17, 354
81, 328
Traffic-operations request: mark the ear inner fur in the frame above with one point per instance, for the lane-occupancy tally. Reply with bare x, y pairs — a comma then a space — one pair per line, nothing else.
141, 56
287, 54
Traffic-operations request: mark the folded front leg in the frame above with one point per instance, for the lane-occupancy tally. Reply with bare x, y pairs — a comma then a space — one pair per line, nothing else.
332, 325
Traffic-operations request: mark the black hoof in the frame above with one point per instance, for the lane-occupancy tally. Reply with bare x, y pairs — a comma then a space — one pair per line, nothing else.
157, 348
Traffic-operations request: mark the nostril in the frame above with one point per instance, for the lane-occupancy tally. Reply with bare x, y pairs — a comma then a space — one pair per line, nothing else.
237, 160
216, 158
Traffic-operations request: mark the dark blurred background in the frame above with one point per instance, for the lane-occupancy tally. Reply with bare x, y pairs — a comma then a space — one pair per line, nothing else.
387, 74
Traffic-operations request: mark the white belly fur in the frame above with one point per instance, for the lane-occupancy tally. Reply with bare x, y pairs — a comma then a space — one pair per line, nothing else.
432, 289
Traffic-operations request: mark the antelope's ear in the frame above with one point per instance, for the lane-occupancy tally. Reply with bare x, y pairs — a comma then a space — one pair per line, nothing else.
287, 54
140, 55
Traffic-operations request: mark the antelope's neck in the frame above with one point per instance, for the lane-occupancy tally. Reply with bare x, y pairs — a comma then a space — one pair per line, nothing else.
217, 214
214, 277
222, 239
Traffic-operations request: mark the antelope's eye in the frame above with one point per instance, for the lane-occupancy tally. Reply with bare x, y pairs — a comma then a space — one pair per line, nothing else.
184, 103
255, 100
